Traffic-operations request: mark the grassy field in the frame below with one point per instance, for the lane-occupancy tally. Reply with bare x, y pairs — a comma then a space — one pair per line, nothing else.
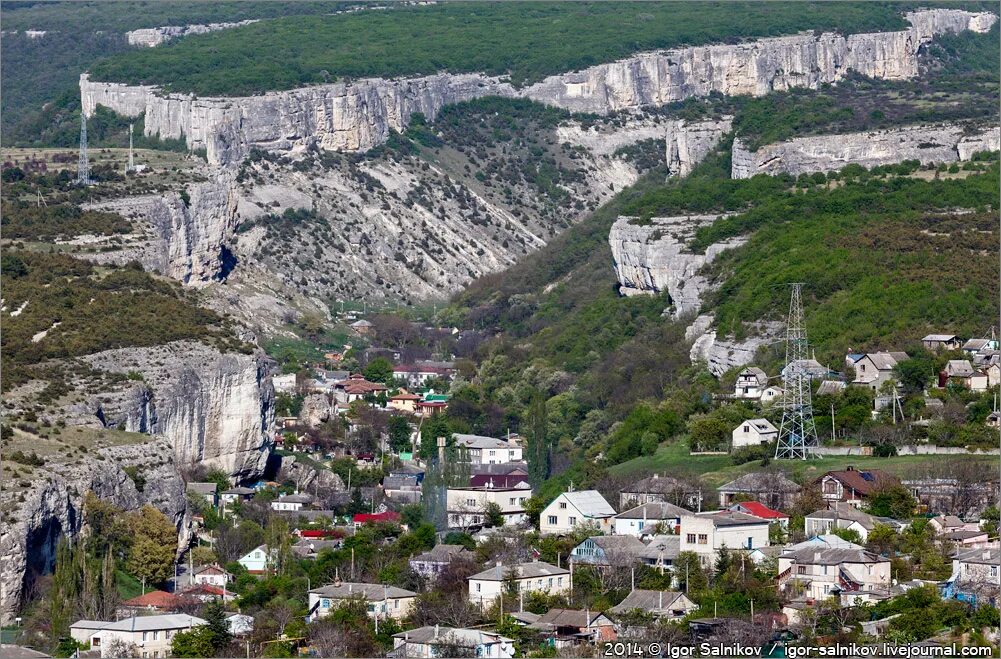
674, 459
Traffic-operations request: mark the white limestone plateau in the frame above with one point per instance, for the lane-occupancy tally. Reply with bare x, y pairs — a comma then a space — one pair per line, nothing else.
652, 257
942, 143
358, 115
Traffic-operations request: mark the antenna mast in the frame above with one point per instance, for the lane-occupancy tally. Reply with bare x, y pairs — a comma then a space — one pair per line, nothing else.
132, 162
83, 165
797, 433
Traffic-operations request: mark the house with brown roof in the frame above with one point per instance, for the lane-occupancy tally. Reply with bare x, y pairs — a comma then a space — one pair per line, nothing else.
356, 387
772, 488
874, 368
660, 487
662, 604
567, 627
155, 601
853, 485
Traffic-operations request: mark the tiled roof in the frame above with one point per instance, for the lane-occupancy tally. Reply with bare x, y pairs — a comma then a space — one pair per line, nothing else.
521, 570
371, 592
648, 600
152, 623
761, 481
373, 518
443, 554
759, 510
590, 503
155, 598
654, 511
862, 481
480, 441
569, 618
467, 638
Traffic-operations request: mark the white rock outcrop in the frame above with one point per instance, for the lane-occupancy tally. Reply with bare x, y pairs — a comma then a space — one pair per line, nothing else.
653, 257
52, 508
823, 153
687, 144
355, 116
182, 239
721, 354
154, 36
215, 408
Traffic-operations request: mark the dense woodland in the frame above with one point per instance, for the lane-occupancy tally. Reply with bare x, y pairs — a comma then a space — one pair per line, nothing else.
525, 42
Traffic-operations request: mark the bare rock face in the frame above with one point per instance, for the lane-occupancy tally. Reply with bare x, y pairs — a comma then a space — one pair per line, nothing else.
154, 36
182, 239
212, 407
721, 354
653, 257
316, 409
823, 153
307, 477
53, 507
355, 116
688, 143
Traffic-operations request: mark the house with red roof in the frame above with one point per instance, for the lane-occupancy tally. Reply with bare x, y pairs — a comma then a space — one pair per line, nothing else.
153, 602
356, 387
761, 511
389, 516
204, 592
404, 402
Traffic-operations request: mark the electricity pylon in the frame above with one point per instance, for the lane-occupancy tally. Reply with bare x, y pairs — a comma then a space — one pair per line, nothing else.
83, 165
798, 432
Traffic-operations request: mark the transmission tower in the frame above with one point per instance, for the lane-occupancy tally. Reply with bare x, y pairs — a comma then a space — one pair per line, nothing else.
132, 162
797, 433
83, 166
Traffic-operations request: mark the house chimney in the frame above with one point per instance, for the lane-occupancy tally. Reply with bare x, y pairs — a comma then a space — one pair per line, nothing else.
350, 587
436, 631
987, 554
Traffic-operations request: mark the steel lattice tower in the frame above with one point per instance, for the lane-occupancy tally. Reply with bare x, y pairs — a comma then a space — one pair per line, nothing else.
798, 432
83, 166
132, 162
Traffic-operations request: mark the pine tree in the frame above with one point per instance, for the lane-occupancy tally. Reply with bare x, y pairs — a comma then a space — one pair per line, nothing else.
538, 441
215, 618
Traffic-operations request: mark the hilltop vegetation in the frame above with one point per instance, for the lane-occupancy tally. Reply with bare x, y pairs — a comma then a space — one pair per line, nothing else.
525, 41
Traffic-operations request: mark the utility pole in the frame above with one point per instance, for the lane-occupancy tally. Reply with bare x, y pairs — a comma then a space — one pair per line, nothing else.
132, 161
83, 164
797, 432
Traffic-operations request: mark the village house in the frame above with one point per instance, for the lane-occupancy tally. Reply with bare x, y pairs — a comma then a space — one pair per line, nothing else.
750, 383
761, 511
208, 491
204, 592
660, 488
649, 519
567, 627
467, 506
979, 346
432, 563
284, 384
939, 342
976, 575
853, 485
387, 517
819, 572
874, 368
362, 326
661, 551
513, 479
771, 394
234, 494
212, 575
487, 586
772, 488
948, 495
706, 533
356, 387
404, 402
152, 635
402, 489
429, 643
432, 404
291, 502
155, 601
753, 432
418, 375
381, 601
811, 367
256, 560
488, 450
943, 524
843, 515
967, 539
662, 604
960, 372
608, 551
571, 509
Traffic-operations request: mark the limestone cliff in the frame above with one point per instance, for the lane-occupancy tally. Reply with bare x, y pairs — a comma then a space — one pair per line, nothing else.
211, 407
185, 239
721, 354
154, 36
51, 507
822, 153
355, 116
652, 257
688, 143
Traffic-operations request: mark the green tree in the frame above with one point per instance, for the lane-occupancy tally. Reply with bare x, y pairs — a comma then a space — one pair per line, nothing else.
707, 432
538, 441
379, 369
915, 373
154, 546
882, 539
892, 500
197, 642
399, 434
850, 535
689, 573
215, 619
493, 515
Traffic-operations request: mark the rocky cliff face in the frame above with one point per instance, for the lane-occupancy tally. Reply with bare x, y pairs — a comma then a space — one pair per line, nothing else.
721, 354
688, 143
211, 407
358, 115
653, 257
823, 153
154, 36
52, 507
184, 240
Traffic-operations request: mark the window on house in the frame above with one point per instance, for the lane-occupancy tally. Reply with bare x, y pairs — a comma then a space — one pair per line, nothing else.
145, 634
512, 500
703, 539
550, 582
470, 502
572, 521
690, 538
801, 569
552, 519
825, 570
750, 542
156, 636
563, 505
559, 581
477, 587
